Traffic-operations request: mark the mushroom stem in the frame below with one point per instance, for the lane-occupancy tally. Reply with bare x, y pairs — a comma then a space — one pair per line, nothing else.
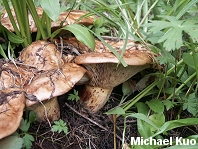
94, 98
104, 77
48, 110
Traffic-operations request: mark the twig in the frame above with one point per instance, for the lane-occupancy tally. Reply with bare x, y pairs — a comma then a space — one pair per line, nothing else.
114, 130
91, 120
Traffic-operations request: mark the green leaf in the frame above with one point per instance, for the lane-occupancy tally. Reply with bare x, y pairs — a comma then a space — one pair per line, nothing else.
190, 27
24, 125
80, 32
51, 8
3, 53
188, 59
158, 119
60, 126
153, 38
144, 118
98, 28
32, 116
74, 96
191, 104
175, 124
168, 104
11, 142
166, 57
172, 39
117, 110
156, 105
173, 28
13, 37
28, 139
144, 129
186, 8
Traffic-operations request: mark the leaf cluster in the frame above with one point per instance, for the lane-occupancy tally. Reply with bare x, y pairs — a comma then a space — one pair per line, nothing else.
24, 127
173, 31
60, 126
74, 96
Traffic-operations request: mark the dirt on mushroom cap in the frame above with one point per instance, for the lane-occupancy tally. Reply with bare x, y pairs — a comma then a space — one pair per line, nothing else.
54, 83
16, 75
43, 55
11, 110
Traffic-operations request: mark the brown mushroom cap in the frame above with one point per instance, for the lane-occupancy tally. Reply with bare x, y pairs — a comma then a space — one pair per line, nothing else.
131, 57
54, 77
43, 55
71, 17
15, 75
11, 110
53, 83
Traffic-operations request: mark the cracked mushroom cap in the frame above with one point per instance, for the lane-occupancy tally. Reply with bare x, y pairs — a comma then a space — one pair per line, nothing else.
42, 54
53, 78
15, 75
11, 110
71, 18
53, 83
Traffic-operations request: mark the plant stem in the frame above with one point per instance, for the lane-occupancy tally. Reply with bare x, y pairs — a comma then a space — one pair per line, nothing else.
25, 20
5, 2
48, 25
129, 104
133, 101
182, 85
37, 21
17, 8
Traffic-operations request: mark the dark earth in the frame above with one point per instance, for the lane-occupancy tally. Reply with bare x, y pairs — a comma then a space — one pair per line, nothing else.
95, 131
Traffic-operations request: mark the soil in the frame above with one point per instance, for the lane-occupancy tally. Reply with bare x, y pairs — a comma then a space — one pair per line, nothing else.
94, 131
86, 130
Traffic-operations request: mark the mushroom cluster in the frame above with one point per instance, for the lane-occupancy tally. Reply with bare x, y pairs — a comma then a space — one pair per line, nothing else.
42, 72
38, 74
47, 69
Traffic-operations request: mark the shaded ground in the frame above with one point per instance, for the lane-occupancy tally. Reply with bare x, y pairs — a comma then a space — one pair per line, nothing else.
94, 131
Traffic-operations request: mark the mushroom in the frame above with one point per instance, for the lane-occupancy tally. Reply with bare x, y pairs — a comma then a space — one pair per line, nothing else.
105, 73
54, 77
11, 110
42, 73
53, 83
68, 18
42, 55
15, 75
